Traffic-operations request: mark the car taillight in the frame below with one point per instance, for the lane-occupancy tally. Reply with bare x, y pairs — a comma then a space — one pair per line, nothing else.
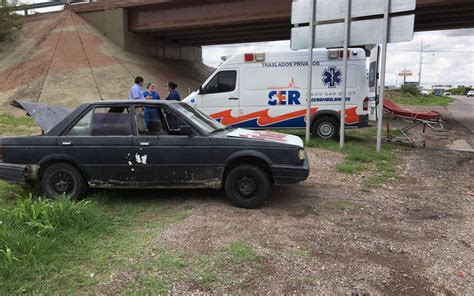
365, 104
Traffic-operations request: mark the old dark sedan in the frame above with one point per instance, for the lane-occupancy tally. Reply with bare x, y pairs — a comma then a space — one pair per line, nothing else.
149, 144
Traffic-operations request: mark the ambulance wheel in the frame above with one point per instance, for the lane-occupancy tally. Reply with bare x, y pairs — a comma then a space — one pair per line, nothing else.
325, 128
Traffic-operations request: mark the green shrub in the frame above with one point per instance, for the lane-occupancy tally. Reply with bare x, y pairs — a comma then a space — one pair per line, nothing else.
410, 89
462, 91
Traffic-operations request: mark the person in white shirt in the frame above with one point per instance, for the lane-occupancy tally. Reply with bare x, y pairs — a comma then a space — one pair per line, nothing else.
136, 92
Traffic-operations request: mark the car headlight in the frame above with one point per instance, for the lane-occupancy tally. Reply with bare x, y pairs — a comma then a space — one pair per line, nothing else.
301, 155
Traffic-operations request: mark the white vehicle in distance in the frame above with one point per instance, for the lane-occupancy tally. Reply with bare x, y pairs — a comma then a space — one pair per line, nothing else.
470, 93
426, 92
268, 91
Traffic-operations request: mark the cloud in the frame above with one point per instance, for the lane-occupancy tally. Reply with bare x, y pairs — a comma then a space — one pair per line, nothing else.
448, 56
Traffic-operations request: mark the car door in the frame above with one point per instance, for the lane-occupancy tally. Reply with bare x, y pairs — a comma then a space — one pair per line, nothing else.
164, 158
101, 142
220, 97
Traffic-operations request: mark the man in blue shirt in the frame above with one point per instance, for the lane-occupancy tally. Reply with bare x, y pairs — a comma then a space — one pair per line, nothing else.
136, 92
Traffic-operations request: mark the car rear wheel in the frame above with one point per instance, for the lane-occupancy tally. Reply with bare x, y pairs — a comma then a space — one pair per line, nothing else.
325, 128
247, 186
62, 179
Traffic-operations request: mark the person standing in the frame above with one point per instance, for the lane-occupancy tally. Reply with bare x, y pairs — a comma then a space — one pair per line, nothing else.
173, 93
151, 115
136, 92
172, 96
151, 93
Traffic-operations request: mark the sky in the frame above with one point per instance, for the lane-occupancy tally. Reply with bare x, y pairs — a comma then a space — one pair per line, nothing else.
448, 56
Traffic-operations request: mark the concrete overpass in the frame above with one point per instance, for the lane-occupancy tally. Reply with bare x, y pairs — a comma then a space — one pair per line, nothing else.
178, 28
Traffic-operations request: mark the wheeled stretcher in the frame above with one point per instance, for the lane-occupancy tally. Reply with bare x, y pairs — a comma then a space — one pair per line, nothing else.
401, 123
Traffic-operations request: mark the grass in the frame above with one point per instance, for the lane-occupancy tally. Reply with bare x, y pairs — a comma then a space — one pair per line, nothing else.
76, 247
37, 236
407, 99
243, 252
360, 155
17, 125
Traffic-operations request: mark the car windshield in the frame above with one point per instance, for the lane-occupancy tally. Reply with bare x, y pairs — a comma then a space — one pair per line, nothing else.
203, 121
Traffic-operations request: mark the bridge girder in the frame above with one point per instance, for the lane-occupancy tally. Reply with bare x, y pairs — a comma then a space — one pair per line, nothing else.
206, 22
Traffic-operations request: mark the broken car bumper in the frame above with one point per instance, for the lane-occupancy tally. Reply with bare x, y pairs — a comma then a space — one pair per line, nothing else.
13, 173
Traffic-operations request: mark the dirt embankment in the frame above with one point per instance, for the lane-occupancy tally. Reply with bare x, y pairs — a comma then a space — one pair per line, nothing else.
62, 59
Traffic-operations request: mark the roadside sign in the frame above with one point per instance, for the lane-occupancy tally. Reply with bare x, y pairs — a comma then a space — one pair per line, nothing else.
405, 73
362, 32
330, 10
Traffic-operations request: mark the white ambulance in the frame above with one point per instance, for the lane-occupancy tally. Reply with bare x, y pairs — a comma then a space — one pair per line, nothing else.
268, 91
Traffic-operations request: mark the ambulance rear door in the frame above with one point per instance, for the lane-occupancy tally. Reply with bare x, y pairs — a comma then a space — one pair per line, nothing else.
373, 83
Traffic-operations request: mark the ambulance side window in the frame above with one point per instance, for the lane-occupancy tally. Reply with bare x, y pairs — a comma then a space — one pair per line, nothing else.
223, 81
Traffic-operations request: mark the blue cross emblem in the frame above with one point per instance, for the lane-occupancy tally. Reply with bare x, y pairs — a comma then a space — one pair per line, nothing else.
332, 77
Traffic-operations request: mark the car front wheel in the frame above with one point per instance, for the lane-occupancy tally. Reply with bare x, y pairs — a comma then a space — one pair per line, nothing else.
247, 186
62, 179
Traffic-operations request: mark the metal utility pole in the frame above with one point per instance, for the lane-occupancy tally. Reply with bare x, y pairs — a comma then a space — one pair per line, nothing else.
382, 78
344, 75
421, 60
421, 63
310, 68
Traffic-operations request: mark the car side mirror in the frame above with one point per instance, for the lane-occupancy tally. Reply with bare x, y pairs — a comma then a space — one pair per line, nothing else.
200, 90
185, 130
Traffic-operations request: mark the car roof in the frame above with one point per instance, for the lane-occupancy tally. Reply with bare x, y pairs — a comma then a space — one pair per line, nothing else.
121, 102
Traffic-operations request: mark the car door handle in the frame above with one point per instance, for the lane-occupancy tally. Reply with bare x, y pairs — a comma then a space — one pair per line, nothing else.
66, 143
232, 99
144, 143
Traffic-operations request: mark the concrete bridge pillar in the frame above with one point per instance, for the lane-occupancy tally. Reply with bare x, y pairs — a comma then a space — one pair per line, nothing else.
113, 23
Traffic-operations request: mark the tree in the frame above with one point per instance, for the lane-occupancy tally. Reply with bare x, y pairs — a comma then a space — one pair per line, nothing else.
10, 22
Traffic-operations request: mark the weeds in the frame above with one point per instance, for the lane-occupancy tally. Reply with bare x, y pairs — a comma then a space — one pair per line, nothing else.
10, 191
17, 125
45, 217
410, 99
37, 237
8, 258
243, 252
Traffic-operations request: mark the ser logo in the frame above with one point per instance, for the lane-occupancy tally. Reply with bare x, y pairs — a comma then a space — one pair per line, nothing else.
285, 97
332, 77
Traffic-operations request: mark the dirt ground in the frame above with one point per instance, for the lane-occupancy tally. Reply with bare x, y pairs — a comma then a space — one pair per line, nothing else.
331, 235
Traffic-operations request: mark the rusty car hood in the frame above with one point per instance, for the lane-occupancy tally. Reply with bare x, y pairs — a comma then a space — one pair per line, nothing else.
266, 136
45, 115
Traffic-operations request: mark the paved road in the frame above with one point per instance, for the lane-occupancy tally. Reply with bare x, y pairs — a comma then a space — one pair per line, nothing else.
462, 110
